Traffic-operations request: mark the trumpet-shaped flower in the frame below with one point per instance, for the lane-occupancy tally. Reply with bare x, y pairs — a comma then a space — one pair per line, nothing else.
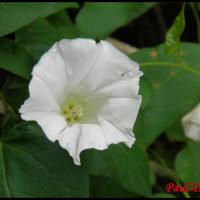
84, 95
191, 123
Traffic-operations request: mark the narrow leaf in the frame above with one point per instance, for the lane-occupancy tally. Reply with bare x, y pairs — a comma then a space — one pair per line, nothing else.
172, 40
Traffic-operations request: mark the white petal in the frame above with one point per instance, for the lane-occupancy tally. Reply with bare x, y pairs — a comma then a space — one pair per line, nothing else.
122, 112
34, 104
42, 108
126, 86
79, 55
51, 123
52, 70
113, 135
110, 65
191, 123
79, 137
40, 98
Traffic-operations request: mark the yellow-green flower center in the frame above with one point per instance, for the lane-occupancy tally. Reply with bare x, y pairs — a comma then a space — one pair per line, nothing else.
73, 113
80, 108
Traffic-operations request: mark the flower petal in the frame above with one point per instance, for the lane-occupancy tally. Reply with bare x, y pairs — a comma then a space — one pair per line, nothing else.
51, 123
52, 70
113, 135
126, 86
110, 65
40, 98
79, 137
79, 55
122, 112
42, 108
191, 123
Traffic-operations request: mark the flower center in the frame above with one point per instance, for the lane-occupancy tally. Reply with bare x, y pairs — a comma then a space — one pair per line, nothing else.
78, 108
73, 113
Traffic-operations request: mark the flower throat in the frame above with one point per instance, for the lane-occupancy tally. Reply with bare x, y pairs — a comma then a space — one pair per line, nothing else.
73, 112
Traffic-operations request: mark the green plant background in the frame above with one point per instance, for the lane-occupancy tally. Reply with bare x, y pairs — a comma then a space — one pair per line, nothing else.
32, 166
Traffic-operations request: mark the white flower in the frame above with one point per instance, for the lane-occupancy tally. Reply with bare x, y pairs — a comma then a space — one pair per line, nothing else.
85, 95
191, 123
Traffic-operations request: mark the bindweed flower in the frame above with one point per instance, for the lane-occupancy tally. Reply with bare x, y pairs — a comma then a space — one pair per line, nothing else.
191, 123
84, 95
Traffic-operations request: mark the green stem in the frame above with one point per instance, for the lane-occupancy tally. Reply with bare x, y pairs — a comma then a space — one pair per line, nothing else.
158, 157
186, 194
196, 16
4, 104
178, 65
162, 169
166, 172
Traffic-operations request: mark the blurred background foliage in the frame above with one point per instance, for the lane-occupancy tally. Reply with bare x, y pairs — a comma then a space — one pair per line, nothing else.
163, 38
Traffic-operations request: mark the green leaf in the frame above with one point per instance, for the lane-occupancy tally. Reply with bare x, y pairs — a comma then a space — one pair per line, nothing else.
32, 166
16, 96
38, 37
98, 20
176, 133
145, 91
14, 58
105, 187
176, 88
17, 92
63, 24
172, 40
139, 130
95, 163
16, 15
129, 167
188, 163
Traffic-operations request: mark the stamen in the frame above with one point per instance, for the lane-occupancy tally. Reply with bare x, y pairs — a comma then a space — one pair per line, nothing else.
71, 105
73, 113
69, 118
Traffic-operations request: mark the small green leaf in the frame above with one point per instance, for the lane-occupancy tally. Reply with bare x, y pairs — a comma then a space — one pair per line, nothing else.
16, 15
32, 166
14, 58
188, 163
172, 40
98, 20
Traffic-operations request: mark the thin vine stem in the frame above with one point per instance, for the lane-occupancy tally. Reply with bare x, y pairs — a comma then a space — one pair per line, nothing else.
196, 16
168, 64
165, 171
